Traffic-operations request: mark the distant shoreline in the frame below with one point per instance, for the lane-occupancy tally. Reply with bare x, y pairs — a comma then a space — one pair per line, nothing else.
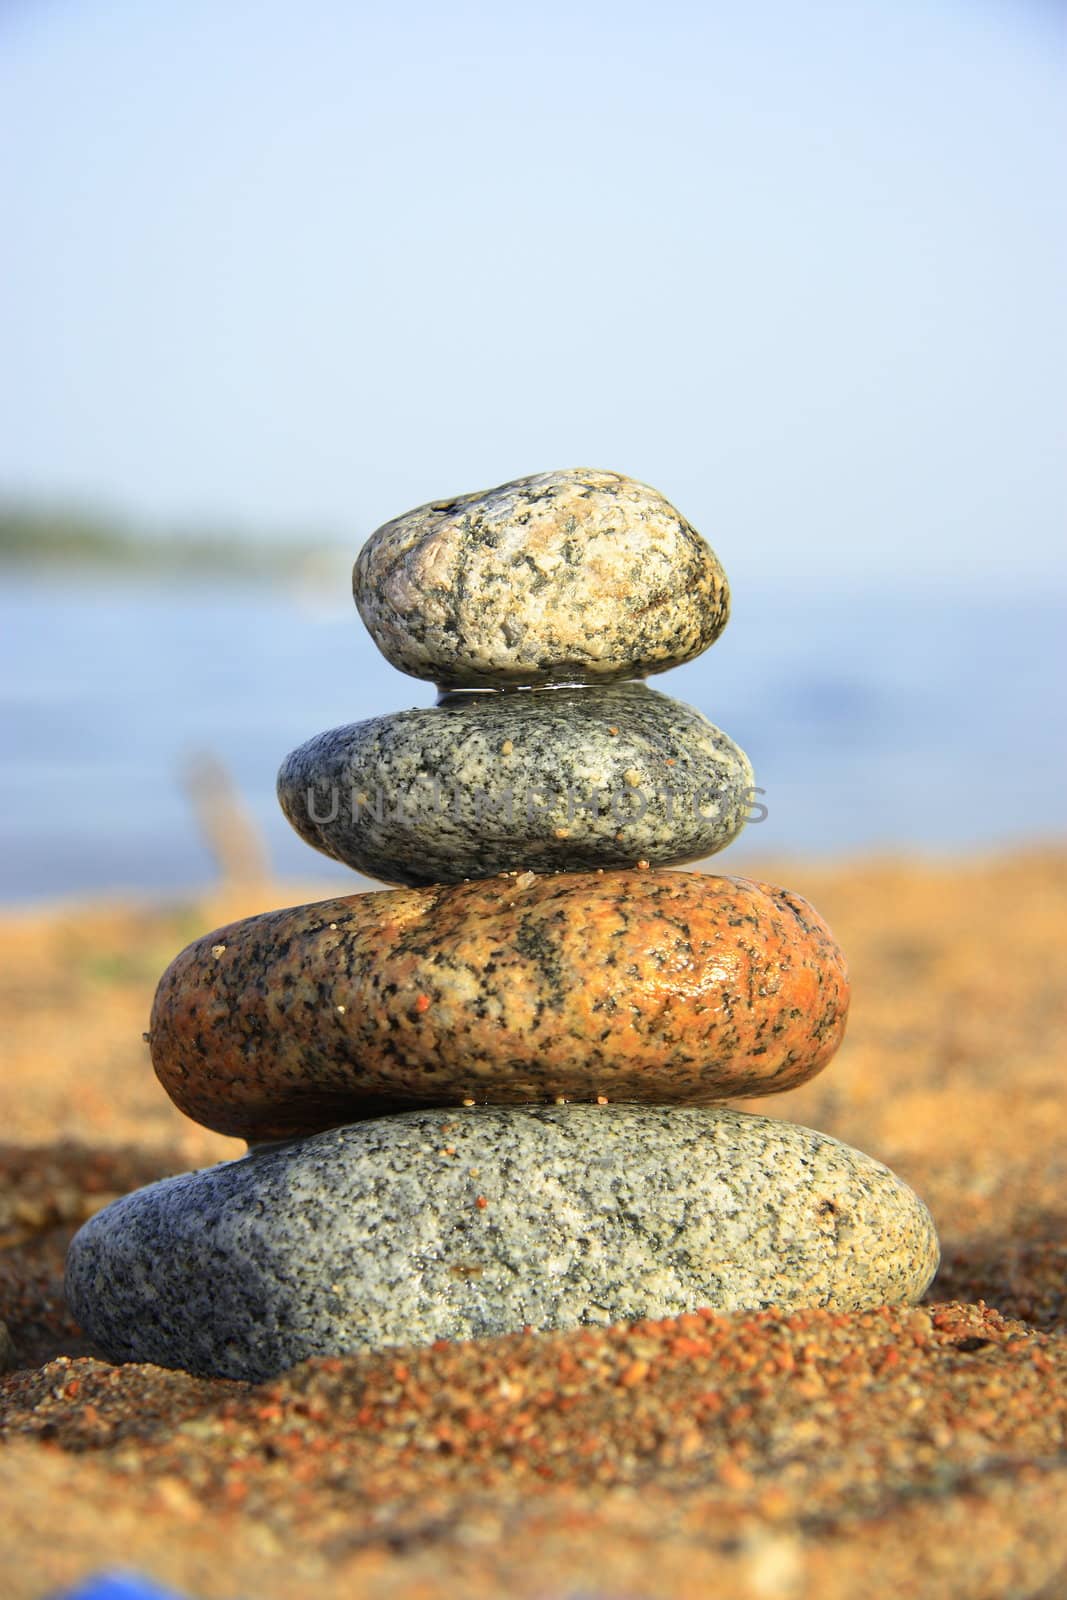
45, 541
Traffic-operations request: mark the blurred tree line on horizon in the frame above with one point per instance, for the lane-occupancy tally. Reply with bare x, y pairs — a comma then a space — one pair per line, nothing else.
53, 538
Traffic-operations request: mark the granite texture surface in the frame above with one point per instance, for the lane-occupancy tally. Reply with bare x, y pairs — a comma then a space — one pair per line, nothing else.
646, 985
579, 577
429, 1226
552, 779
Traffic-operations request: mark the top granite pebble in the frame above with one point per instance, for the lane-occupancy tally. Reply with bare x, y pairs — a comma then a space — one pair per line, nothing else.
567, 577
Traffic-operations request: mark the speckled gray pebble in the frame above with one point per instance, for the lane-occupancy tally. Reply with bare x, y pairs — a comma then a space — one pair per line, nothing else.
567, 577
546, 779
457, 1225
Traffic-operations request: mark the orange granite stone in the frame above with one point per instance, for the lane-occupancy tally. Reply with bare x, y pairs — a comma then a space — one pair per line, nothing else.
654, 986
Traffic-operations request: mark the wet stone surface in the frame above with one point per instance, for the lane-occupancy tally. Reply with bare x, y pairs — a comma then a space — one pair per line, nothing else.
670, 987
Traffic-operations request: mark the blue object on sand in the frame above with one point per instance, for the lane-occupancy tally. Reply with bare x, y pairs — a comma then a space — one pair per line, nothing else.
118, 1586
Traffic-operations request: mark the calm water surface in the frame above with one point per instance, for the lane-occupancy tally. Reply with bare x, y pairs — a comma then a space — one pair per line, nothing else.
874, 720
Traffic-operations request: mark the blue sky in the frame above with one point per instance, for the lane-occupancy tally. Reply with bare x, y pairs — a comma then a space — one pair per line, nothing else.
799, 265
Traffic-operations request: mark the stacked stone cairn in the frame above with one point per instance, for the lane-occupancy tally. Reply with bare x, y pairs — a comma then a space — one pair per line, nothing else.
487, 1099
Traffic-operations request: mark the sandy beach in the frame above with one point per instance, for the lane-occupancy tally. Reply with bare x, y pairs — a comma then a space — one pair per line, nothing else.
905, 1452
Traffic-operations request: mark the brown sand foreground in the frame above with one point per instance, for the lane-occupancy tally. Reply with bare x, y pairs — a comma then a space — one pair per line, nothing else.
906, 1453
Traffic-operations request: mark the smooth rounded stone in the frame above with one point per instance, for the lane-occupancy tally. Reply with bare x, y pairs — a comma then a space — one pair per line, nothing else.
547, 779
566, 577
668, 987
424, 1226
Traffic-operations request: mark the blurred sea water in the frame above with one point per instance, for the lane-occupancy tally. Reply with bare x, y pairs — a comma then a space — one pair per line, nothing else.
876, 720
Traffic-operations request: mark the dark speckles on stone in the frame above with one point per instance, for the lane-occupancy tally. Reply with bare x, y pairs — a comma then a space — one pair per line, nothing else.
498, 988
534, 606
579, 576
615, 1212
553, 779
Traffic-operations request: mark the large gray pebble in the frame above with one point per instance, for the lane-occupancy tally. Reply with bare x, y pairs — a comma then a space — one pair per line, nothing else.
567, 577
550, 779
478, 1222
